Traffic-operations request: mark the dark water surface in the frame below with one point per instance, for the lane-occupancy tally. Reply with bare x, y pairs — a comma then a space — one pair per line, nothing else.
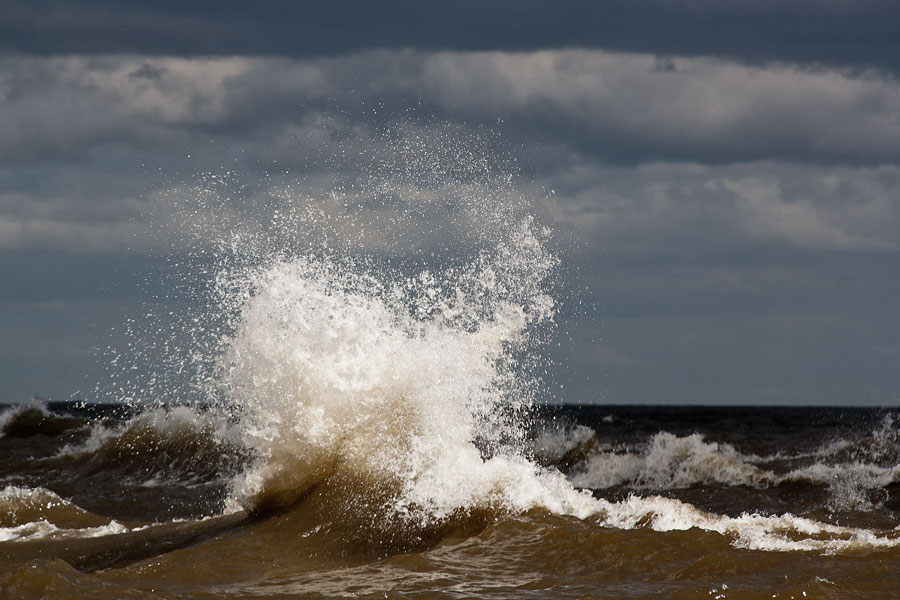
680, 502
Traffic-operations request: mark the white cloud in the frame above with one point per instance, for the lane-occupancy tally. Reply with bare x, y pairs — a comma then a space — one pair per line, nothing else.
764, 213
660, 206
699, 105
626, 104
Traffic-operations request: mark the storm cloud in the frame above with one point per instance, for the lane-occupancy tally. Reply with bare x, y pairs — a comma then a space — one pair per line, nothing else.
723, 180
836, 32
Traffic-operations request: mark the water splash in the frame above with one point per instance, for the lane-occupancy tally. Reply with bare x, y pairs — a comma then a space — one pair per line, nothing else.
401, 381
376, 323
376, 344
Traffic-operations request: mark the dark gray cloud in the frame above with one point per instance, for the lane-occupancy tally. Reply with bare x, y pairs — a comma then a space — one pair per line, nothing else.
732, 323
59, 310
861, 33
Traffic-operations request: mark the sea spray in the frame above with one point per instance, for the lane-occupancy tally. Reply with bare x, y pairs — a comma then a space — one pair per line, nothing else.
380, 334
401, 382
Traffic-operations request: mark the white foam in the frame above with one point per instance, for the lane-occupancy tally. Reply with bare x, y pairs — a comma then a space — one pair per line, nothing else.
43, 529
782, 533
669, 462
6, 416
848, 483
99, 435
552, 444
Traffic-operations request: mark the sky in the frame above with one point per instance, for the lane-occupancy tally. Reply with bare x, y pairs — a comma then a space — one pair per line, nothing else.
722, 177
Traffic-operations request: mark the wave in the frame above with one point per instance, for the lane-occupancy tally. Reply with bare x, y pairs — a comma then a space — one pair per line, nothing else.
779, 533
177, 444
33, 418
858, 486
670, 462
856, 472
458, 488
28, 514
385, 403
159, 464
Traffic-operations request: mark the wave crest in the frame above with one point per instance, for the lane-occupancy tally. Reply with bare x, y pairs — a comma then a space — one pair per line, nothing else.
670, 462
27, 514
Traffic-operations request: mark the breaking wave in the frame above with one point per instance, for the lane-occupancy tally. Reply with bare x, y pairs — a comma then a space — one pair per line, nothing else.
779, 533
405, 385
27, 514
33, 418
856, 472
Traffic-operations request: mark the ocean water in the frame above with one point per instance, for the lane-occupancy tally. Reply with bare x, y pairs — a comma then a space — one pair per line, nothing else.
344, 400
102, 501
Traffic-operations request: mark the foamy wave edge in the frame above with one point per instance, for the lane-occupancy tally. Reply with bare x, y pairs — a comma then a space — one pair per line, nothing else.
15, 498
782, 533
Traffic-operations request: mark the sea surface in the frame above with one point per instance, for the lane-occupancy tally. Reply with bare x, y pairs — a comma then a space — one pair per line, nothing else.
114, 501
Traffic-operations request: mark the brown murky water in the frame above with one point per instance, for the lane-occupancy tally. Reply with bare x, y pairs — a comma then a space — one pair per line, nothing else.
97, 502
